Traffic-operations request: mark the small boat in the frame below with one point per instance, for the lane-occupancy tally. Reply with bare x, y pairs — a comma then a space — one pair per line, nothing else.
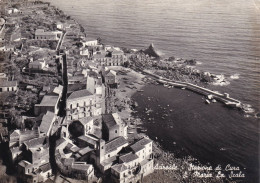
143, 130
207, 101
214, 101
131, 132
183, 88
140, 90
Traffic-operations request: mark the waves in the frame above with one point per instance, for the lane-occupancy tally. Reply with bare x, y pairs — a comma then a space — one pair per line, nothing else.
234, 76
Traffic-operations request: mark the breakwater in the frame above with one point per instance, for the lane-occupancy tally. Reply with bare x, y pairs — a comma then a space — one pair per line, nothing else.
224, 98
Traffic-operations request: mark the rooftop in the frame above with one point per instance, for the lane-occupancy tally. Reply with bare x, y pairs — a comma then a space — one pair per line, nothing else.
42, 32
128, 157
48, 100
86, 120
37, 142
85, 150
89, 139
109, 120
24, 163
75, 87
79, 94
140, 144
4, 83
81, 166
45, 167
119, 167
115, 143
47, 120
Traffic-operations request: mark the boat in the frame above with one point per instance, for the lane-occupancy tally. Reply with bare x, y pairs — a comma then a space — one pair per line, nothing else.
140, 90
131, 132
165, 85
183, 88
207, 101
214, 101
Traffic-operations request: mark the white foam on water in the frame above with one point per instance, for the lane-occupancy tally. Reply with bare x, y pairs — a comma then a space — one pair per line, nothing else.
223, 83
234, 76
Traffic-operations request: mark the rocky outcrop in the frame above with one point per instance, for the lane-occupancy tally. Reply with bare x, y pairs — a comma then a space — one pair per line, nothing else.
151, 51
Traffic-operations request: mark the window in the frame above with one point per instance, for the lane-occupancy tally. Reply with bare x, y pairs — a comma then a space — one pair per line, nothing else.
115, 131
70, 106
77, 104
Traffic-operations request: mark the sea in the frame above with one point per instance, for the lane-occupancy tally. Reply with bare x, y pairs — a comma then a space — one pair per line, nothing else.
224, 37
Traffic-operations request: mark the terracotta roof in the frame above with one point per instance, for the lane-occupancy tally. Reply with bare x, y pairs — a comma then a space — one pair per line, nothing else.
75, 149
119, 167
109, 120
35, 142
46, 167
81, 166
89, 139
4, 83
48, 100
86, 120
75, 87
128, 157
140, 144
42, 32
115, 143
47, 120
85, 151
79, 94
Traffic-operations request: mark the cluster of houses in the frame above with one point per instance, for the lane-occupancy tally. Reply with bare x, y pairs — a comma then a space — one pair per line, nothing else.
100, 145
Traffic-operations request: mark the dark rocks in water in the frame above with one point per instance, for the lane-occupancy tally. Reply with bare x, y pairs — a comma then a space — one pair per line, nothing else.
191, 62
172, 58
151, 51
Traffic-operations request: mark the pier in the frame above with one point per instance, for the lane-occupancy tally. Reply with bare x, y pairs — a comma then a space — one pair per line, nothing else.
224, 98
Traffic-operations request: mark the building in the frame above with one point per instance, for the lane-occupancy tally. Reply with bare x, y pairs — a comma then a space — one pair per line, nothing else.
47, 123
90, 42
3, 133
40, 34
84, 51
27, 172
48, 103
37, 65
110, 78
82, 103
88, 141
111, 57
135, 165
8, 86
94, 83
18, 137
107, 152
112, 127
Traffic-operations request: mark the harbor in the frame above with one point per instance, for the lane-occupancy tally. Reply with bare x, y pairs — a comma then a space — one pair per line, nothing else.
224, 98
